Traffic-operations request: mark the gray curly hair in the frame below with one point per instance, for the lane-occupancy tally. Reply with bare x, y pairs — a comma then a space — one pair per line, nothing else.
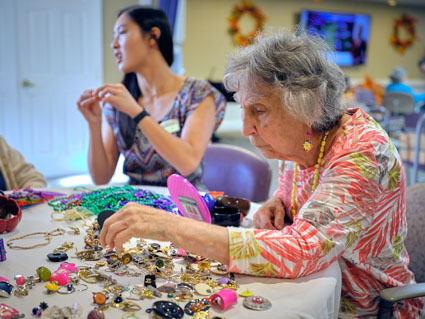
296, 65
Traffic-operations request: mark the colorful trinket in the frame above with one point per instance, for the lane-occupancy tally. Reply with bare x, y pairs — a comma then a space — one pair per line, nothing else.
150, 280
96, 314
52, 287
99, 298
257, 303
126, 258
2, 250
44, 273
196, 305
203, 289
5, 289
7, 312
167, 309
246, 293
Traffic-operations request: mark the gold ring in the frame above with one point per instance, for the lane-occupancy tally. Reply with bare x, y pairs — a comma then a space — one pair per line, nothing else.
131, 306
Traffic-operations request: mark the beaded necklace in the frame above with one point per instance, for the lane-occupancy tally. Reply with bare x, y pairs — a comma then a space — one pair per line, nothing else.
112, 198
316, 173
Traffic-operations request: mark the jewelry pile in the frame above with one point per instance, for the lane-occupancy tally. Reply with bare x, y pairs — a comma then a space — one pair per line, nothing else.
177, 282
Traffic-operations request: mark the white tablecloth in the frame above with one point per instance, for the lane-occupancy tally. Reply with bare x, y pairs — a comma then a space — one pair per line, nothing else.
314, 296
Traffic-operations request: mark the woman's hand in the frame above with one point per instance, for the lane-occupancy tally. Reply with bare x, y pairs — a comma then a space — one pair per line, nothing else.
271, 215
88, 104
118, 96
134, 220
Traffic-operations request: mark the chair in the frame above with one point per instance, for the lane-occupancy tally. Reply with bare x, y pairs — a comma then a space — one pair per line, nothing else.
237, 172
412, 144
415, 201
416, 162
398, 105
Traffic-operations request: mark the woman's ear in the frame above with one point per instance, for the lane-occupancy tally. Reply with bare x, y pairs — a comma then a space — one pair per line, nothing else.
155, 34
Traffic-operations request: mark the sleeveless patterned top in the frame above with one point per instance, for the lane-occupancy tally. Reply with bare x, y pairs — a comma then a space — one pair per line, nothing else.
142, 163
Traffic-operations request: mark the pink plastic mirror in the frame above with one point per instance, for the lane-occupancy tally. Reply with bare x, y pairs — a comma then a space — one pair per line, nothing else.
188, 200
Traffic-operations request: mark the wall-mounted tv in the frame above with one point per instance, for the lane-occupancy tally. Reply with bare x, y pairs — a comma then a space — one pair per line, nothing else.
346, 33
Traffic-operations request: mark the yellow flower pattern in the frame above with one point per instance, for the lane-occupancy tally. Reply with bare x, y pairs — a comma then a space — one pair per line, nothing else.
398, 246
354, 230
394, 176
244, 248
266, 269
327, 245
346, 306
365, 165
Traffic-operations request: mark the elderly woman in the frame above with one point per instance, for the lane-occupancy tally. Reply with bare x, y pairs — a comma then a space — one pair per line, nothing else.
341, 190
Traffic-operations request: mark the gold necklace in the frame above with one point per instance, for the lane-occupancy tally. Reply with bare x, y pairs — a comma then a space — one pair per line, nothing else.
47, 236
316, 173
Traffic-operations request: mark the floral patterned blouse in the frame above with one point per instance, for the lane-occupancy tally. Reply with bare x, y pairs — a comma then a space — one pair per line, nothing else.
356, 215
141, 162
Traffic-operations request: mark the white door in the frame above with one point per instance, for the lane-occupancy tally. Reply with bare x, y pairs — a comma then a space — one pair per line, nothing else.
59, 54
9, 111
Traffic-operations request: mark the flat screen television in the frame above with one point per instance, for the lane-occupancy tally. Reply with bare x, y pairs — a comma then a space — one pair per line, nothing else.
346, 33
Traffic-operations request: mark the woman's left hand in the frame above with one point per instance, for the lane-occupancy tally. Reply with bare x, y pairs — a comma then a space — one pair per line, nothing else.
118, 96
134, 220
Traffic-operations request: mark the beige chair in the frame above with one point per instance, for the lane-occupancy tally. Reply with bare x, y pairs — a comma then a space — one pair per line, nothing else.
415, 212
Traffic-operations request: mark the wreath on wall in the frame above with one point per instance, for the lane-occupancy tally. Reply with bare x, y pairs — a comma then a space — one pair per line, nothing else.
404, 22
250, 8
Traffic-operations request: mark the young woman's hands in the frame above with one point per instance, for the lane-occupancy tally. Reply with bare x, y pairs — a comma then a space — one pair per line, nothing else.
118, 96
89, 106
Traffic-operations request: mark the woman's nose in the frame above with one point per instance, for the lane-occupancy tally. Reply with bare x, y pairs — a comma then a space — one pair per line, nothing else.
248, 127
114, 43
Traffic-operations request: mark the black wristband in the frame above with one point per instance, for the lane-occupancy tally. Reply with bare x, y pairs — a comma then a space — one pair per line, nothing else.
140, 116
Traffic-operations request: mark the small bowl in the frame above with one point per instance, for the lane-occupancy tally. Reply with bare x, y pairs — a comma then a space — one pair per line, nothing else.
225, 216
10, 214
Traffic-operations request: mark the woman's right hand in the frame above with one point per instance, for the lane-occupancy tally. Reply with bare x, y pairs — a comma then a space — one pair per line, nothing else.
271, 215
89, 106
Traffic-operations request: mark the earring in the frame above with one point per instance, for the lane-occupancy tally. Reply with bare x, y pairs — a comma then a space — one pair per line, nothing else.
308, 145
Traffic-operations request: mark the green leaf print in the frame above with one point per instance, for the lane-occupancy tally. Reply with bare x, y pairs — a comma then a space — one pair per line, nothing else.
394, 176
263, 269
397, 246
327, 245
346, 306
243, 248
354, 230
364, 164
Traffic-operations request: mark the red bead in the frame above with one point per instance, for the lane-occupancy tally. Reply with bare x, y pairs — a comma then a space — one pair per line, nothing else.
20, 281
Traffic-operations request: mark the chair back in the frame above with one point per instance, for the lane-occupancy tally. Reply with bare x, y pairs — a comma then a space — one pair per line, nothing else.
237, 172
364, 97
398, 103
415, 203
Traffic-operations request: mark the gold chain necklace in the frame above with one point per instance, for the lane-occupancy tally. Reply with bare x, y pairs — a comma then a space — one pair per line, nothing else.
47, 236
316, 174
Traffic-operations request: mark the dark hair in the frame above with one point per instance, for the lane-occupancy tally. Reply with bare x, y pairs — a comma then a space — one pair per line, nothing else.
421, 61
146, 18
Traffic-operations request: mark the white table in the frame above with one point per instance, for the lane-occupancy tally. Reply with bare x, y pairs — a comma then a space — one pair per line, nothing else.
314, 296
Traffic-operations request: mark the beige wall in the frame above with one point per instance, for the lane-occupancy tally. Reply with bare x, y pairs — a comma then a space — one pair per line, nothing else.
208, 42
111, 74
